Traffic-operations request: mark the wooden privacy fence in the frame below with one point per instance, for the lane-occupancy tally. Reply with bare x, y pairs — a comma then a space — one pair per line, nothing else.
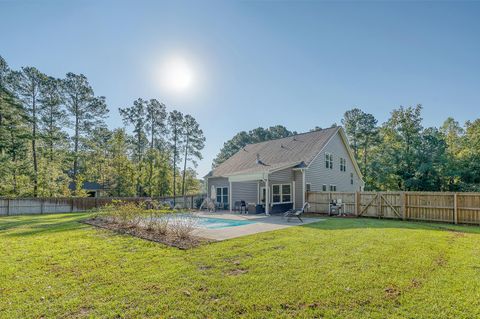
23, 206
458, 208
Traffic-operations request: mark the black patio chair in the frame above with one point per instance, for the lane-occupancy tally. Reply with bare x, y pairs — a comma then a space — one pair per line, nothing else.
296, 212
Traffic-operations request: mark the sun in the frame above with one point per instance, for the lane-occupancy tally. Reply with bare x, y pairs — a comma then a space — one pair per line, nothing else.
176, 74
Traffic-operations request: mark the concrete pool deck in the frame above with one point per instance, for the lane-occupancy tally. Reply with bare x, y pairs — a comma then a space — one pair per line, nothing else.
261, 224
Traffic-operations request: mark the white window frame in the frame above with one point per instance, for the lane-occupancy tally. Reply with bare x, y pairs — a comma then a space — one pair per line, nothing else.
308, 187
324, 187
328, 160
222, 195
343, 164
333, 188
351, 178
281, 193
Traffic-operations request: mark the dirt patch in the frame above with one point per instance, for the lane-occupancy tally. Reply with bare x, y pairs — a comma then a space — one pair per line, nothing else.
440, 261
181, 243
236, 272
392, 292
415, 283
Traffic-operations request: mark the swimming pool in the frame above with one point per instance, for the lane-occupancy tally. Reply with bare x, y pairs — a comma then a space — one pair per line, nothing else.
220, 223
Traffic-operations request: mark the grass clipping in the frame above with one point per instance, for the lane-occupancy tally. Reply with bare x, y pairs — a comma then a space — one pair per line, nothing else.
152, 222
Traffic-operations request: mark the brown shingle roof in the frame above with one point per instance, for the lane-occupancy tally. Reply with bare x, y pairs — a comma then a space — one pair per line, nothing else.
292, 150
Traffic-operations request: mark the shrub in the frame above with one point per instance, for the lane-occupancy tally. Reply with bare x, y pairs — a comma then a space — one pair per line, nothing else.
182, 225
161, 224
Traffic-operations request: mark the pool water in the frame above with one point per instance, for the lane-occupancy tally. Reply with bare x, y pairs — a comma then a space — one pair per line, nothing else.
219, 223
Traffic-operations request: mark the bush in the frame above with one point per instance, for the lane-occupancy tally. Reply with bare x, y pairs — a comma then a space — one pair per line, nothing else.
182, 225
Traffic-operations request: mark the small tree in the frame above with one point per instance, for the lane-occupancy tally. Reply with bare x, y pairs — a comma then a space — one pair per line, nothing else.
194, 141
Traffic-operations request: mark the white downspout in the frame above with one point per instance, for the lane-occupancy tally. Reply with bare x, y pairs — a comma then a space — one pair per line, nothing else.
303, 187
267, 197
230, 191
293, 191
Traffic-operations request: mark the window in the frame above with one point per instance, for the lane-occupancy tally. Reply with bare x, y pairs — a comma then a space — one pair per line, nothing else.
333, 188
281, 193
343, 164
309, 187
324, 187
329, 160
351, 178
286, 193
222, 195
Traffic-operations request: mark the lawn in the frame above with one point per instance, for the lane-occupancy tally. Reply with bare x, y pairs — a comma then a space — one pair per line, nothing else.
53, 266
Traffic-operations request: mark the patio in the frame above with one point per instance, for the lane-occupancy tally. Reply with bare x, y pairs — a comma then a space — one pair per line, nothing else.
261, 223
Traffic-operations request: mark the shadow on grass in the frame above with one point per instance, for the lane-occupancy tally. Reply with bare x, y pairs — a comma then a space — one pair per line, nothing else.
41, 224
335, 223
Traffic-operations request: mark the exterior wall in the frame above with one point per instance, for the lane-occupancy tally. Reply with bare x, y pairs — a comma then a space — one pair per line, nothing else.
217, 182
298, 178
317, 174
285, 175
246, 191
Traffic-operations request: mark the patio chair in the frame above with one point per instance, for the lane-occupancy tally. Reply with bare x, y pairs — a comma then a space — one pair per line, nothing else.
296, 212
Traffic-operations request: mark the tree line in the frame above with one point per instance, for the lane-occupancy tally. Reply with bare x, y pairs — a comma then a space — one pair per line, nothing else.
400, 154
53, 138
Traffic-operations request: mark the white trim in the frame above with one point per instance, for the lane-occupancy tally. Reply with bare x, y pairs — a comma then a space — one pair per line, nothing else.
281, 193
230, 193
325, 145
303, 187
258, 192
349, 151
293, 191
267, 198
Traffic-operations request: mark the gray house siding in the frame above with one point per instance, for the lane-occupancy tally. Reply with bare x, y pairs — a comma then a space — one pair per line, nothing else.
217, 182
317, 174
246, 191
298, 178
285, 175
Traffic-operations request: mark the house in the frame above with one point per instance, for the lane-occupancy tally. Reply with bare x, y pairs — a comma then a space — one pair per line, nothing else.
275, 175
93, 189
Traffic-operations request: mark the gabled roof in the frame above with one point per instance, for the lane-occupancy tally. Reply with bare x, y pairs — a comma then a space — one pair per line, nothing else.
293, 151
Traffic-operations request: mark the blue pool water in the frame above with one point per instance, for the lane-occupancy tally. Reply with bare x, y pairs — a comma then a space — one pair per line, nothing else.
219, 223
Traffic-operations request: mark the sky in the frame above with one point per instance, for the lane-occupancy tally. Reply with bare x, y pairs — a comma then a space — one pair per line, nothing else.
300, 64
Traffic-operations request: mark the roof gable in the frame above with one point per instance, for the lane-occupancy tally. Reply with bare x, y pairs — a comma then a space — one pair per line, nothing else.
292, 150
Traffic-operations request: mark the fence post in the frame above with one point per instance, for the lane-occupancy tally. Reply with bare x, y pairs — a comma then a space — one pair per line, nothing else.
191, 200
71, 205
403, 199
455, 208
357, 203
41, 205
8, 206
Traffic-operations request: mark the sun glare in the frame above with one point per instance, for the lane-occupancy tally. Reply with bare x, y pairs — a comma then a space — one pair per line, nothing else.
176, 74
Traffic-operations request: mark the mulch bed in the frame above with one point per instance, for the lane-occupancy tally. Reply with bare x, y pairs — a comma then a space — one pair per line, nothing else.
186, 243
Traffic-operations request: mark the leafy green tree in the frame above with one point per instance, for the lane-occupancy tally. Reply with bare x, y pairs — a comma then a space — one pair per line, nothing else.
86, 110
27, 84
470, 157
176, 128
156, 116
123, 170
243, 138
136, 116
194, 142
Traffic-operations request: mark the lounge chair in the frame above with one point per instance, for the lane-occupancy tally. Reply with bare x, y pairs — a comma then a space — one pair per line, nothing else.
296, 212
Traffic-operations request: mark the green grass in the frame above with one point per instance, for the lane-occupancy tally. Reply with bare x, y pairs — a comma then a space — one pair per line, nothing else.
53, 266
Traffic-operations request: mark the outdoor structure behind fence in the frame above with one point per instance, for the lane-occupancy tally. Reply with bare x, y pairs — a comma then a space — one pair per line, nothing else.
457, 208
22, 206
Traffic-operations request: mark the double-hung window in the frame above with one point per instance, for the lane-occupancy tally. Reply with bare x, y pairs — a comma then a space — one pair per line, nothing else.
222, 195
281, 193
343, 164
329, 160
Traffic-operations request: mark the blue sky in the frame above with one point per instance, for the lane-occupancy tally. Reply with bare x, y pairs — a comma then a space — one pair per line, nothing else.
299, 64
